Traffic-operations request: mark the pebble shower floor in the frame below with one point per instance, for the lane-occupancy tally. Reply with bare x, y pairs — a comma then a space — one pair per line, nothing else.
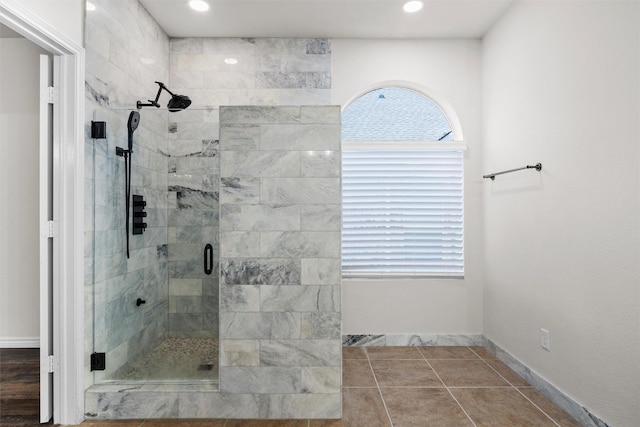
177, 359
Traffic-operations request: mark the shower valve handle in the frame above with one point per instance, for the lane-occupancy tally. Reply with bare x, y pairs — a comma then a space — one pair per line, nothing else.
139, 302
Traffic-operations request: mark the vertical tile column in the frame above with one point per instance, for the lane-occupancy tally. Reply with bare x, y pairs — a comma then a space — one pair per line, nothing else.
280, 260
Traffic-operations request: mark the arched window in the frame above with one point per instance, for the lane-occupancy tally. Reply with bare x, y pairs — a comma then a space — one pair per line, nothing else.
402, 187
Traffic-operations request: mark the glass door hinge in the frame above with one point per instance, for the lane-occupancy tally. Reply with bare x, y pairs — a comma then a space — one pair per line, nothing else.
49, 229
53, 94
98, 361
50, 364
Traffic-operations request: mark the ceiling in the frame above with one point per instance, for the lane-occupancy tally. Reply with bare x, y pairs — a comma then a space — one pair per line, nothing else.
328, 18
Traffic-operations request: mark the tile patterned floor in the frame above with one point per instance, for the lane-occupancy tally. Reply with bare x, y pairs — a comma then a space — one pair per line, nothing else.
416, 386
438, 386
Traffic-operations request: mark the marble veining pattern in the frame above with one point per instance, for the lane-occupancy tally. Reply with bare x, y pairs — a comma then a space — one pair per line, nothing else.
260, 163
239, 298
307, 244
260, 217
118, 405
323, 299
321, 271
280, 302
241, 137
261, 380
411, 340
269, 71
265, 271
299, 352
179, 156
239, 243
260, 326
240, 190
308, 137
319, 325
321, 379
300, 190
240, 353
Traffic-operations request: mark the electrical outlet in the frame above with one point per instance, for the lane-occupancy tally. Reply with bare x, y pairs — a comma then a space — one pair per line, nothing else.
544, 339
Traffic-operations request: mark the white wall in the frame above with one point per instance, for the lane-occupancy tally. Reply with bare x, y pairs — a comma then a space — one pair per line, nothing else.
66, 16
449, 70
561, 87
19, 230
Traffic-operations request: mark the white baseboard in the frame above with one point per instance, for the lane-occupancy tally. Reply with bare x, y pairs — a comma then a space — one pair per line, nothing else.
19, 342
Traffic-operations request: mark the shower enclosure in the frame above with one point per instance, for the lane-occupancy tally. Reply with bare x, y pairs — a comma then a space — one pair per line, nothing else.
155, 308
271, 185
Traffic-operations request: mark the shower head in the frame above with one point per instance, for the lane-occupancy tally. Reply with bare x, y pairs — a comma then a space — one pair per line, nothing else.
177, 102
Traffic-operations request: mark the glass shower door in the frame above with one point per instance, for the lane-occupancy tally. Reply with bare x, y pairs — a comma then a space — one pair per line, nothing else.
155, 312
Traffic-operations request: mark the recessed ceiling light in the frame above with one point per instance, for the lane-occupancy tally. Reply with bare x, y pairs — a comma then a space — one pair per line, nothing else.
199, 5
412, 6
147, 60
90, 6
231, 61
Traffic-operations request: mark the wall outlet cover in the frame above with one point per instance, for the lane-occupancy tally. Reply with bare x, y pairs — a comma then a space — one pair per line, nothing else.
544, 339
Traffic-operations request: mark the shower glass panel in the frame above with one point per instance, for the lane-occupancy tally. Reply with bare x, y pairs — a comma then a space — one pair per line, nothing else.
155, 311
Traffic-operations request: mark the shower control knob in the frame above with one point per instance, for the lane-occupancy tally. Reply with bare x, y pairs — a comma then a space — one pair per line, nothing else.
139, 302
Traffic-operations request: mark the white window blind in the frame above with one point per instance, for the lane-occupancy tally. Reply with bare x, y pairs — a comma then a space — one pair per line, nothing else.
402, 211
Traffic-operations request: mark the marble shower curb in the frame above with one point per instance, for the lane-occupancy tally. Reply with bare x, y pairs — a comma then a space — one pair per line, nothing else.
202, 401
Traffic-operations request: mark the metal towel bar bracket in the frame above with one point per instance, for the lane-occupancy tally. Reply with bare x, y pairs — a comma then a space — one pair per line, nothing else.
537, 166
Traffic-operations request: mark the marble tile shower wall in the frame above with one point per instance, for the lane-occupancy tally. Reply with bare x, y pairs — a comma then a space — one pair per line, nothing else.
267, 71
280, 324
126, 51
260, 71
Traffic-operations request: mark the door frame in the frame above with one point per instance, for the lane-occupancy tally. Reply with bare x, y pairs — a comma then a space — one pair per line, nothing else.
68, 308
49, 176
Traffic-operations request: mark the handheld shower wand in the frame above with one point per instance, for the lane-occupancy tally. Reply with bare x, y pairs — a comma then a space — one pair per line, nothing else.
132, 125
